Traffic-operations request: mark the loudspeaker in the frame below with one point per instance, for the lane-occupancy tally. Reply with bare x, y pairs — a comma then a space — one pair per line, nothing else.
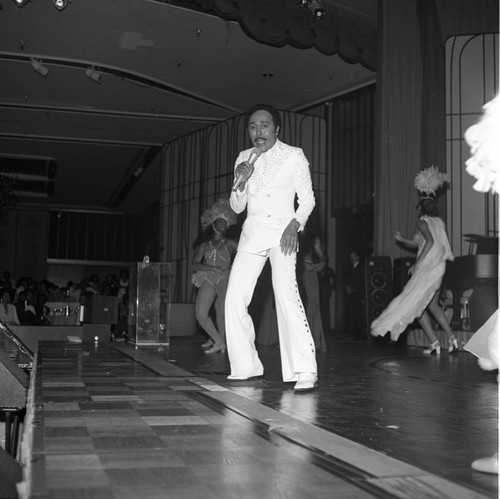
13, 383
400, 274
102, 310
10, 474
378, 286
482, 303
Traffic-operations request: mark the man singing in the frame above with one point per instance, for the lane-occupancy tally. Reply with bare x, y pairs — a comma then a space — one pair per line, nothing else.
267, 180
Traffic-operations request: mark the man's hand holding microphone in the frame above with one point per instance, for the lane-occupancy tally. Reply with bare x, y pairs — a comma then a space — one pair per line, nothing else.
244, 170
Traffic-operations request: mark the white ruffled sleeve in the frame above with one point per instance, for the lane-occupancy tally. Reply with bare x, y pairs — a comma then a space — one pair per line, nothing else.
238, 199
484, 142
303, 187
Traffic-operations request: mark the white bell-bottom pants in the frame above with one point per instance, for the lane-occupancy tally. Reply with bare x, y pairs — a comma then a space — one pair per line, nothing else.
296, 343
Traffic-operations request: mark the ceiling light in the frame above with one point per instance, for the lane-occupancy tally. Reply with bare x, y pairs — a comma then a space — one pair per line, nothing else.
93, 74
37, 65
317, 9
60, 4
21, 3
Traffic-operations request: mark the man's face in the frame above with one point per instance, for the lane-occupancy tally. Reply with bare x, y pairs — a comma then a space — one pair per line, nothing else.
263, 133
354, 258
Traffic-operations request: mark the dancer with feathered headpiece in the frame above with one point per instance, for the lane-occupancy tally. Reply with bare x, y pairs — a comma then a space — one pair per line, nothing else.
421, 293
211, 268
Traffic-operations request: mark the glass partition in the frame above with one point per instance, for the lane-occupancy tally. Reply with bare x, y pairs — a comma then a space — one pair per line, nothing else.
149, 303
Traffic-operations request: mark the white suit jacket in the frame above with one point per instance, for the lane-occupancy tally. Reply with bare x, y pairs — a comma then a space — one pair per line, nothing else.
280, 174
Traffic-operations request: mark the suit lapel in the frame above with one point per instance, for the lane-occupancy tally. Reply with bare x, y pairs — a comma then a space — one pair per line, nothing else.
271, 162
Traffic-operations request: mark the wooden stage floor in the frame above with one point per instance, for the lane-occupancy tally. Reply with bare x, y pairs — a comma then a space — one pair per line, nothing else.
114, 421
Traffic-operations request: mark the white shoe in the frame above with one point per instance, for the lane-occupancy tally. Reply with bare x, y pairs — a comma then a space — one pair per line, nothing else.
486, 464
236, 377
306, 382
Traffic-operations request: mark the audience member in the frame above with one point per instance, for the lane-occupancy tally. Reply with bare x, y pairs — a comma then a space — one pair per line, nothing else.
28, 312
92, 286
8, 312
21, 286
73, 291
110, 286
355, 291
8, 281
311, 263
123, 283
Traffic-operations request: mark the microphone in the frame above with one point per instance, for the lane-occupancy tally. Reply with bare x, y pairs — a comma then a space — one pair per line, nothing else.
251, 160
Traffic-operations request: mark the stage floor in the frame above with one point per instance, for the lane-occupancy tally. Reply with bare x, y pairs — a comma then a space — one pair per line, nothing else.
122, 422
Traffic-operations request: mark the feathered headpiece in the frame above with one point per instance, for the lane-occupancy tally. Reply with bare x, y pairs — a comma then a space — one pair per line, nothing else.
428, 181
220, 209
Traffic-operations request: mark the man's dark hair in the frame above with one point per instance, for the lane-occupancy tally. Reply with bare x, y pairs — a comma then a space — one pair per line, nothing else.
265, 107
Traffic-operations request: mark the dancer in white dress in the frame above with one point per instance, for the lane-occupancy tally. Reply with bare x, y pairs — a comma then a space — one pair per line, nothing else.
421, 293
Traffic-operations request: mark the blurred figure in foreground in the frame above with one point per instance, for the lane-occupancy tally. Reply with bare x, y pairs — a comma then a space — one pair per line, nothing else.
484, 165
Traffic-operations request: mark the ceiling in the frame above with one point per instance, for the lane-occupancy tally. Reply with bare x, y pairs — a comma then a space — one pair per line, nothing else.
166, 71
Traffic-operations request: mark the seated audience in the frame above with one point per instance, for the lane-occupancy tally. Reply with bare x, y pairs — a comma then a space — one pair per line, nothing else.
110, 286
74, 291
29, 312
92, 286
8, 282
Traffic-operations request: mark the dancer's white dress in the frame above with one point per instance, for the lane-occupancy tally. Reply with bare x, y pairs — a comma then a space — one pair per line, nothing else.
419, 290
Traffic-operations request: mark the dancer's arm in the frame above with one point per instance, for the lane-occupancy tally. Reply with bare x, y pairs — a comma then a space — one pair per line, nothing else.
429, 242
407, 242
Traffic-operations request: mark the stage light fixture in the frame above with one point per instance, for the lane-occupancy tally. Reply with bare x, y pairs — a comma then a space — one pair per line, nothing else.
317, 9
60, 4
93, 74
21, 3
37, 65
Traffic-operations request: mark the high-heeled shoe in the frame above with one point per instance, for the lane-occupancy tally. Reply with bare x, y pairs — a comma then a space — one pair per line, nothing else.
207, 344
435, 347
221, 347
452, 344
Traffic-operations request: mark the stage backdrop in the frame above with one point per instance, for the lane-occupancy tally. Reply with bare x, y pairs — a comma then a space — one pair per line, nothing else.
471, 81
198, 169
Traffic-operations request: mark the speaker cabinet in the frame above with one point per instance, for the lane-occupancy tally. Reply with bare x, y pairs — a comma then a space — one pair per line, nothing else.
101, 309
10, 474
482, 303
400, 274
14, 383
378, 286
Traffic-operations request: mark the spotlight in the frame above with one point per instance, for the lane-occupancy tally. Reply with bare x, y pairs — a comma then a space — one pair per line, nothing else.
60, 4
317, 9
21, 3
37, 65
93, 74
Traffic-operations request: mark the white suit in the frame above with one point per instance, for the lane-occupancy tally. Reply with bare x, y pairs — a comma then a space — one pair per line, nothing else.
280, 174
